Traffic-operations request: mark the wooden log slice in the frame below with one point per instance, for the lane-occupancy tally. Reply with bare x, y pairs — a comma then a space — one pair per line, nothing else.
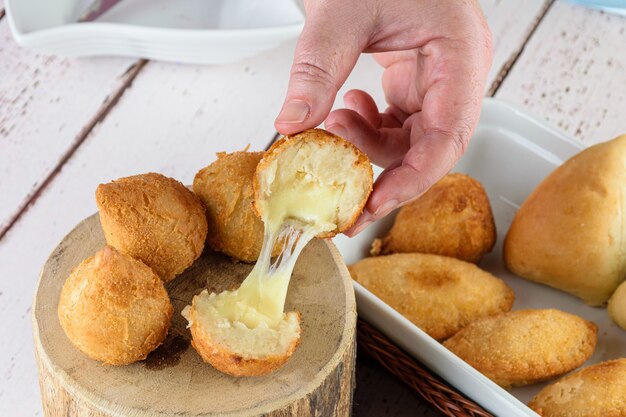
318, 380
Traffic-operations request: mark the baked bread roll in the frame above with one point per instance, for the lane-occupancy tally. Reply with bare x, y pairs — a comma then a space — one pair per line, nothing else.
453, 218
617, 306
440, 295
569, 232
595, 391
155, 219
225, 188
315, 184
114, 308
525, 346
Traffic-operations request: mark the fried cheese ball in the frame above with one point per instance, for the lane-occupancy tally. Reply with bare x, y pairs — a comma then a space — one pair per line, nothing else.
439, 294
595, 391
453, 218
155, 219
225, 188
320, 183
233, 348
526, 346
114, 308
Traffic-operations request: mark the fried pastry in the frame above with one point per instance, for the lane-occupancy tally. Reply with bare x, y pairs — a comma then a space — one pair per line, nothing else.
155, 219
225, 188
114, 308
439, 294
526, 346
312, 184
453, 218
595, 391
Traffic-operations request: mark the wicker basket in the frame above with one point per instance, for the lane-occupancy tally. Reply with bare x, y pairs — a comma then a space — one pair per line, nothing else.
434, 390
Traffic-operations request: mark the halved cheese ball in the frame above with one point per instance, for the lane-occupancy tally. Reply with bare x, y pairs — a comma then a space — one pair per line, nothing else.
234, 348
317, 177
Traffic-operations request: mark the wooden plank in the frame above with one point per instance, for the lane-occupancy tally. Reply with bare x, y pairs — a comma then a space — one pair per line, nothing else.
45, 104
572, 73
511, 22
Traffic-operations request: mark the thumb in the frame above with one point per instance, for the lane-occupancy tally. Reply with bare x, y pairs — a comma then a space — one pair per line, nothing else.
327, 51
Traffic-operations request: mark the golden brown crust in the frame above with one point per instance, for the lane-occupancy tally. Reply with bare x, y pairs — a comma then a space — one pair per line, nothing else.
526, 346
617, 306
155, 219
321, 136
225, 188
114, 308
453, 218
595, 391
570, 233
439, 294
232, 363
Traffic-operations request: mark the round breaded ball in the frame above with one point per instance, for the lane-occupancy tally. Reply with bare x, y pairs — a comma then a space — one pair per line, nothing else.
225, 188
114, 308
453, 218
155, 219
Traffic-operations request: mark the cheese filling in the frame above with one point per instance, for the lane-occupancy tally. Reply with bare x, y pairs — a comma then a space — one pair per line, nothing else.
294, 214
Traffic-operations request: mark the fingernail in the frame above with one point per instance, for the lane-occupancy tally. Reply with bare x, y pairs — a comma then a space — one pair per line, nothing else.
337, 129
294, 111
386, 208
359, 229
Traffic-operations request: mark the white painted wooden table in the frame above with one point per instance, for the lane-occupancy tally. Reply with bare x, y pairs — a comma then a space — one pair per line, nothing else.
67, 125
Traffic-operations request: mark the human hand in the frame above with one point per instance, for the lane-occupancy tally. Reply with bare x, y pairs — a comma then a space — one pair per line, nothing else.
436, 56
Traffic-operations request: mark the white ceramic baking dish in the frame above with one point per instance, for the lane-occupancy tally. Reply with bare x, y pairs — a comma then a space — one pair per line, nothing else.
509, 154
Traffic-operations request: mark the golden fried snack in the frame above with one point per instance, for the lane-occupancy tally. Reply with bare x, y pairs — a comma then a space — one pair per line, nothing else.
595, 391
526, 346
439, 294
453, 218
569, 232
114, 308
234, 348
320, 177
307, 185
155, 219
617, 306
225, 188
